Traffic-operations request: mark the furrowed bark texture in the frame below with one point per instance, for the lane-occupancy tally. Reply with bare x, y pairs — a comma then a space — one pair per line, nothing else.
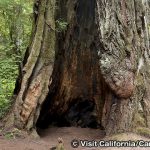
124, 34
102, 59
101, 68
76, 77
38, 67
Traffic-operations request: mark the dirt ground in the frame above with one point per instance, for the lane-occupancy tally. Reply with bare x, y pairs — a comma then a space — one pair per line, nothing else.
49, 138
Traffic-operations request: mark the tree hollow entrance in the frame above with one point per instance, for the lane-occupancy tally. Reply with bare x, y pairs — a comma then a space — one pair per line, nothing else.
80, 112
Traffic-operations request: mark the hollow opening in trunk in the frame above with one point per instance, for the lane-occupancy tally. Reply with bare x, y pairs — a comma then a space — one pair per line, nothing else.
80, 113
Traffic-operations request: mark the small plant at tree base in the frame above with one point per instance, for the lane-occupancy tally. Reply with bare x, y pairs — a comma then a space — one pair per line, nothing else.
12, 134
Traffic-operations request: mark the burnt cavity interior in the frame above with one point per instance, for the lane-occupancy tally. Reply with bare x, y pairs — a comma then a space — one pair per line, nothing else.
80, 113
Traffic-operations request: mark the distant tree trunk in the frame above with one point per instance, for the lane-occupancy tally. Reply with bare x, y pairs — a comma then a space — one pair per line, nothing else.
101, 69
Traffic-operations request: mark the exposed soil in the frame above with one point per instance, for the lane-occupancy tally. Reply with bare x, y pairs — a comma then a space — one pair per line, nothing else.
49, 139
69, 134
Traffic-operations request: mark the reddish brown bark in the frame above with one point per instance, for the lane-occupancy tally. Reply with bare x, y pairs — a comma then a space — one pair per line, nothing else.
97, 78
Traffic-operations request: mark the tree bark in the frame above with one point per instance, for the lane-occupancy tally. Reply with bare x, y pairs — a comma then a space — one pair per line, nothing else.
123, 33
37, 68
101, 67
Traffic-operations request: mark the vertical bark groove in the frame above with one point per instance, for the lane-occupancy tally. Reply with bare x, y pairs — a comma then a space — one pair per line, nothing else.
38, 69
101, 60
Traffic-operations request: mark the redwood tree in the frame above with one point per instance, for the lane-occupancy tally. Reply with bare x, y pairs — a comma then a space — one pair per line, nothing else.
101, 66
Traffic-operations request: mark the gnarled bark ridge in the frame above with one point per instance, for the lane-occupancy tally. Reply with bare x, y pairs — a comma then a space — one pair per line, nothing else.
101, 67
38, 67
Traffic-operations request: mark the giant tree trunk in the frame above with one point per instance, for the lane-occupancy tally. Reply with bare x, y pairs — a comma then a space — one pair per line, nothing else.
101, 67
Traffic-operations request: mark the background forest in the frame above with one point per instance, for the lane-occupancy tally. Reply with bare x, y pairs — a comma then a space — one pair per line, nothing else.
15, 29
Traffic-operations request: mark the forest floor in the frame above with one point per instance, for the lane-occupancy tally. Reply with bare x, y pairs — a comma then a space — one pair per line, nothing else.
49, 139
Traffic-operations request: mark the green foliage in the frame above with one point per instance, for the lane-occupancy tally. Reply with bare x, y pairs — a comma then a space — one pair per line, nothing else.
12, 134
15, 30
8, 73
61, 25
9, 136
16, 24
143, 131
